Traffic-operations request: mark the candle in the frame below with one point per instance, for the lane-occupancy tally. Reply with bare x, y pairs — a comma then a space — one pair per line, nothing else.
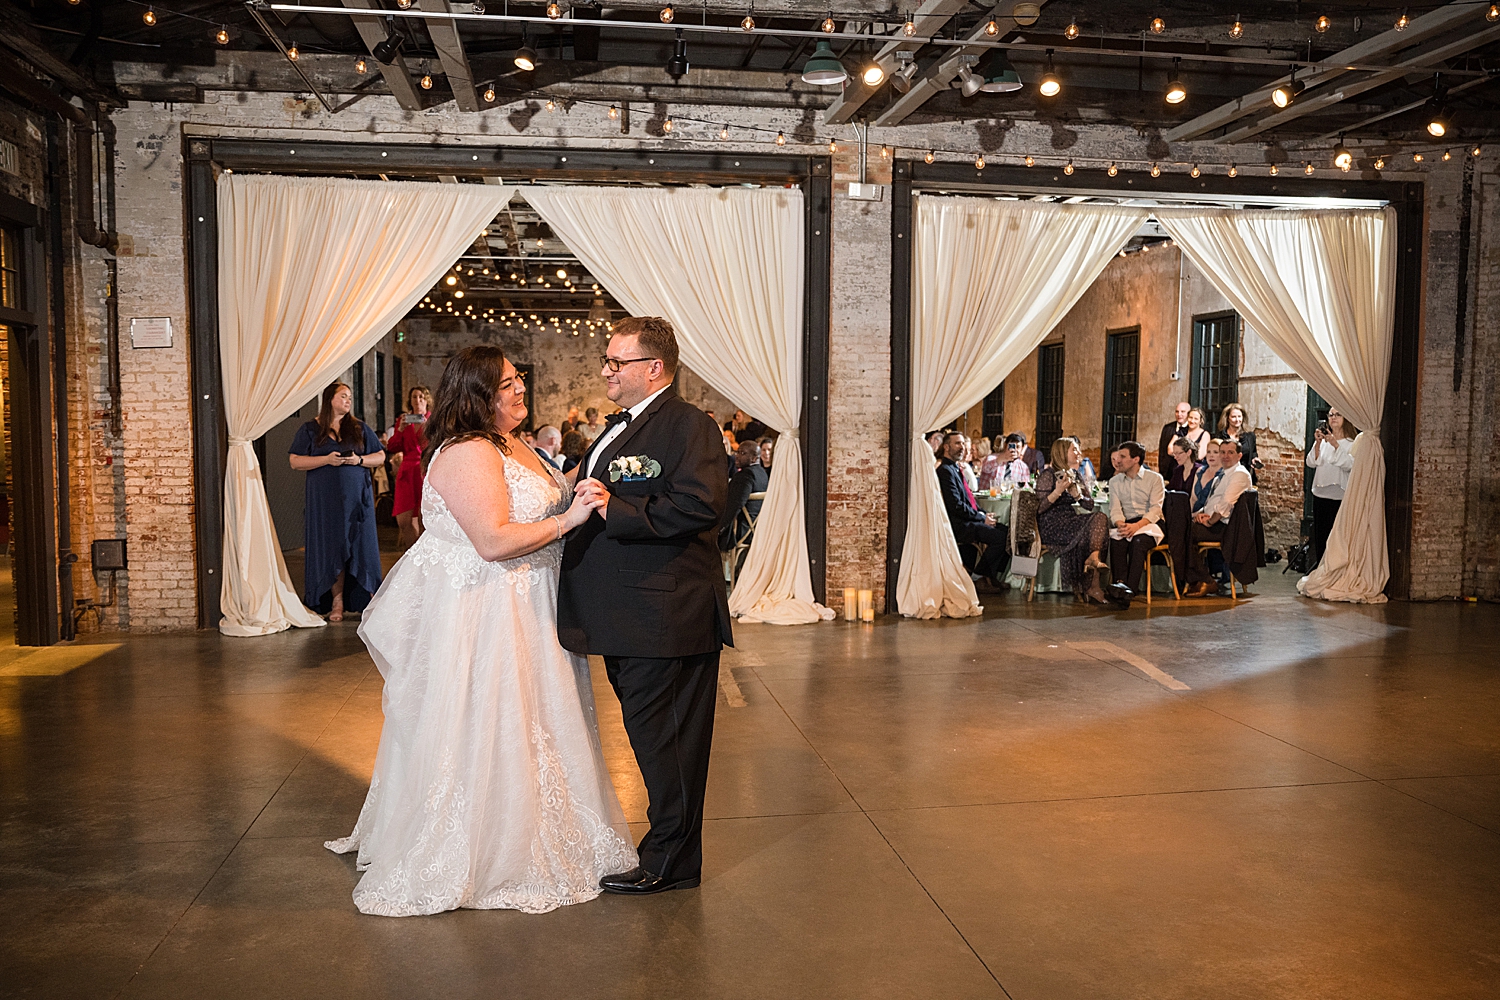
867, 605
851, 605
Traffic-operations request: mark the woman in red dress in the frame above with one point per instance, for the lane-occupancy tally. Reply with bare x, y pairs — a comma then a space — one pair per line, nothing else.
405, 444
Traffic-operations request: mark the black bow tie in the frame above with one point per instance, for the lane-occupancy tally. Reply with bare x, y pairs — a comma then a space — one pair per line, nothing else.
623, 417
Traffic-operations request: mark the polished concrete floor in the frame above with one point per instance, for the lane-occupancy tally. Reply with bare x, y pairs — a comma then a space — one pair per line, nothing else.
1274, 799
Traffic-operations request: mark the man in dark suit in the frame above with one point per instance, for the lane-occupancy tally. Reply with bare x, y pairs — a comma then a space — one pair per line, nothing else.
1171, 431
643, 586
749, 477
970, 524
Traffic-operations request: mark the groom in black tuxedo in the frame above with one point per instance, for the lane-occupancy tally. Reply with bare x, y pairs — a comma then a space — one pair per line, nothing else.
642, 585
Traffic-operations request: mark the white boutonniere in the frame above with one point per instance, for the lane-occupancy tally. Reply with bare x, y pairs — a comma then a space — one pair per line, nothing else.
633, 467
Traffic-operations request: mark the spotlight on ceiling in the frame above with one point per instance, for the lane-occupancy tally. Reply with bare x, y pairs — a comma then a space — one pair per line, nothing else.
823, 68
1176, 92
1284, 95
873, 75
1050, 85
387, 51
525, 58
1000, 77
1440, 124
968, 81
906, 69
1342, 158
677, 66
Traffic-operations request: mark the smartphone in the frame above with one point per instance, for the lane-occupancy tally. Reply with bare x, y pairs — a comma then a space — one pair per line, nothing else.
1323, 426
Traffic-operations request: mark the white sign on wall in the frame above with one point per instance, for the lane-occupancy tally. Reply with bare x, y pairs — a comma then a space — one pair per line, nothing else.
153, 331
10, 157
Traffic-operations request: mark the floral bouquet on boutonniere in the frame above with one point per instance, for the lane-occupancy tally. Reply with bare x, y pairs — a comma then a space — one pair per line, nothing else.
633, 467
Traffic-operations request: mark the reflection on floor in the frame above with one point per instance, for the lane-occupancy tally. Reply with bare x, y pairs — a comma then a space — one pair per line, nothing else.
34, 661
1018, 806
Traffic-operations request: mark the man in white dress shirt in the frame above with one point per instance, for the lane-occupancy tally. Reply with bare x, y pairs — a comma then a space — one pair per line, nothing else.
1210, 522
1136, 495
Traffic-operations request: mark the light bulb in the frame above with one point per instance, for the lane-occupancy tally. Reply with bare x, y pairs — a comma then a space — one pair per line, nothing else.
222, 37
1475, 151
1234, 171
1068, 168
1308, 168
292, 53
1195, 172
404, 4
149, 17
426, 81
833, 147
929, 156
667, 126
910, 27
613, 113
1236, 30
666, 15
458, 294
1029, 161
562, 272
1322, 23
1342, 158
1071, 31
723, 134
489, 94
992, 29
1156, 170
979, 162
1402, 22
1158, 25
873, 75
781, 138
748, 24
1275, 170
450, 281
551, 106
1113, 170
885, 152
360, 66
1447, 156
1380, 163
1493, 14
477, 7
827, 25
554, 10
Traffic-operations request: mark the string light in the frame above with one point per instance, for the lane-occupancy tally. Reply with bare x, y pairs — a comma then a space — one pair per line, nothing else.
1158, 25
1275, 170
613, 113
149, 17
554, 10
992, 29
1113, 170
222, 37
666, 15
827, 25
1071, 32
552, 106
1234, 171
1447, 156
1068, 168
1380, 163
489, 94
360, 66
1236, 30
1416, 157
1475, 151
1195, 172
667, 126
833, 147
426, 81
292, 53
1029, 161
780, 138
1308, 168
404, 4
1322, 23
1156, 170
979, 162
929, 156
723, 131
1493, 14
910, 28
748, 24
885, 152
1402, 22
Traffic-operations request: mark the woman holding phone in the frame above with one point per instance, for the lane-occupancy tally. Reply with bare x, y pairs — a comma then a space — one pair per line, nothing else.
337, 451
406, 442
1331, 458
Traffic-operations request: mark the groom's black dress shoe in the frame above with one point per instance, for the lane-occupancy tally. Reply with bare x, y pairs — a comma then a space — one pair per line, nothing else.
640, 882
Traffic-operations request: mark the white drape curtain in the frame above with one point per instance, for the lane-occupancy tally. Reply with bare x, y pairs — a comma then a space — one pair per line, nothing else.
724, 265
1319, 287
992, 279
312, 272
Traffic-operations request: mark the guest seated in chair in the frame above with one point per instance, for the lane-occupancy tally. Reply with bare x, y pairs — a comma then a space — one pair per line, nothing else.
1074, 537
1135, 514
1013, 469
1210, 521
749, 477
1182, 466
969, 523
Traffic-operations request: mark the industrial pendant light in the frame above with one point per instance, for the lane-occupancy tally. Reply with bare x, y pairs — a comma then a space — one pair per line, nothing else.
1176, 92
1050, 85
387, 51
1000, 77
823, 68
677, 66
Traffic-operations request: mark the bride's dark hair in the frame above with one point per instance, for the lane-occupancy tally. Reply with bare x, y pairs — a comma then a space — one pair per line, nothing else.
464, 406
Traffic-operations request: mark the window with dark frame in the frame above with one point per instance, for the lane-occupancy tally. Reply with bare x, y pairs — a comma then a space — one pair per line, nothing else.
1049, 395
1122, 356
10, 268
1216, 364
992, 423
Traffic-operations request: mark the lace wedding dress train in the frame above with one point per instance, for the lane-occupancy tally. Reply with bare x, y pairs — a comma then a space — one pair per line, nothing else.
490, 789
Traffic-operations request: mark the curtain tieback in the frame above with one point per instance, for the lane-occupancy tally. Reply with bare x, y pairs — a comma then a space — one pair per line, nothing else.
235, 442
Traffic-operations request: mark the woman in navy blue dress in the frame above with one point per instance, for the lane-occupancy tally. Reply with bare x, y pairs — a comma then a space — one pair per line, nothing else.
337, 451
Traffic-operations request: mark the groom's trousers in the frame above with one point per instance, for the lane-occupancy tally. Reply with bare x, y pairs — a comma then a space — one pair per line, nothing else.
668, 707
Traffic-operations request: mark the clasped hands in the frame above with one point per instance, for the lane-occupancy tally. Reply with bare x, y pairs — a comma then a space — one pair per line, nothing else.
593, 495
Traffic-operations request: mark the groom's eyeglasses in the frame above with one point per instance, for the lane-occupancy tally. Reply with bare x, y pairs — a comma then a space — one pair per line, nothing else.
615, 364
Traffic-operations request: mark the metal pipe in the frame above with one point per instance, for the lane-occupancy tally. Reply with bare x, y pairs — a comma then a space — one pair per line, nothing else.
724, 29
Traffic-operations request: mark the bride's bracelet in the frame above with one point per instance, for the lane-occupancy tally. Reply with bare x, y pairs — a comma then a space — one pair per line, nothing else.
559, 527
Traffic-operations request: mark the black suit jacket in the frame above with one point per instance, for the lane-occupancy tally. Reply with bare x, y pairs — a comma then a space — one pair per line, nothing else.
1164, 458
648, 581
962, 515
751, 479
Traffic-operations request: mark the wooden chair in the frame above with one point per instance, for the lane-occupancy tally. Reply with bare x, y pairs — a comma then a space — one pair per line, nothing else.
732, 557
1166, 555
1204, 547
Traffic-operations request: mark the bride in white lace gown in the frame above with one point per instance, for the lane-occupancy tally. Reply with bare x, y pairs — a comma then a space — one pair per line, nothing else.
490, 789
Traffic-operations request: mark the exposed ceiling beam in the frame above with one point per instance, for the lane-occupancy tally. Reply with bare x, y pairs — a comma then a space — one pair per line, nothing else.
397, 78
21, 38
1307, 104
940, 76
929, 19
1398, 110
450, 50
1420, 29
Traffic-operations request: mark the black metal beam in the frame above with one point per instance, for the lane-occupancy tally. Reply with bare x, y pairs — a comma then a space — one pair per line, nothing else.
899, 460
818, 291
1398, 424
210, 434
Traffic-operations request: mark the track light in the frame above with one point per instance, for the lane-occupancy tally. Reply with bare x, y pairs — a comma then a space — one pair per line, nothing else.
1284, 95
677, 66
823, 68
1050, 85
1342, 158
1176, 92
905, 71
1440, 124
873, 74
1236, 30
386, 51
526, 59
969, 82
999, 76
